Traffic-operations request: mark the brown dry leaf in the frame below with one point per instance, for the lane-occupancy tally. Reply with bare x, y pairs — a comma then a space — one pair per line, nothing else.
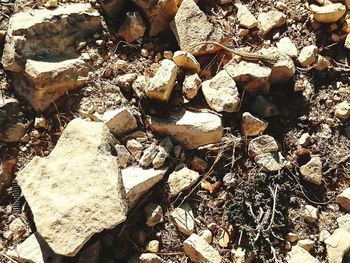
226, 237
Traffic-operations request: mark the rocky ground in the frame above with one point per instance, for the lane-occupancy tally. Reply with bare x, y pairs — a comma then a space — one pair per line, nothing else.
125, 138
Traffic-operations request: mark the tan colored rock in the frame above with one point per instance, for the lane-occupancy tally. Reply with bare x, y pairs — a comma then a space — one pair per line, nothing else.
18, 228
263, 107
137, 181
307, 55
122, 156
149, 258
344, 222
191, 26
191, 85
52, 80
306, 244
34, 249
304, 139
164, 150
154, 214
183, 219
346, 26
312, 171
321, 63
342, 110
119, 121
135, 148
153, 246
252, 125
207, 235
182, 180
33, 34
148, 155
268, 162
132, 28
200, 251
270, 20
287, 47
344, 199
161, 85
245, 17
262, 144
329, 13
7, 172
76, 191
338, 244
192, 129
252, 76
221, 92
347, 41
126, 81
158, 12
186, 60
298, 254
310, 213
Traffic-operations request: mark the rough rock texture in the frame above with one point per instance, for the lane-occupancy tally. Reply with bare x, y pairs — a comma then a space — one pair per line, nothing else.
298, 255
182, 180
268, 162
262, 144
138, 181
183, 218
148, 258
11, 127
158, 12
221, 93
338, 244
308, 55
77, 190
154, 214
7, 169
344, 222
310, 213
200, 251
245, 17
50, 80
252, 76
344, 199
192, 129
34, 249
286, 47
191, 85
329, 13
270, 20
342, 110
251, 125
33, 34
161, 85
132, 28
119, 121
312, 171
186, 60
191, 26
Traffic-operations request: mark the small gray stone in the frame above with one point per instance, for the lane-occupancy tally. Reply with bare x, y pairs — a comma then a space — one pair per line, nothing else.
312, 171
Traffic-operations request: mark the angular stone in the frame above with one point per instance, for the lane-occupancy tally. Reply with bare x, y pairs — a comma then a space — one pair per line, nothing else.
135, 148
191, 85
148, 258
344, 199
245, 17
304, 139
321, 63
123, 155
342, 110
312, 171
338, 244
192, 129
7, 172
306, 244
268, 162
207, 235
33, 34
200, 251
191, 26
137, 181
158, 12
298, 254
183, 218
310, 213
251, 125
182, 180
133, 27
148, 155
264, 108
154, 214
51, 80
221, 93
186, 60
76, 191
287, 47
164, 150
252, 76
161, 85
153, 246
119, 121
329, 13
307, 55
11, 127
126, 81
270, 20
347, 41
34, 249
262, 144
344, 222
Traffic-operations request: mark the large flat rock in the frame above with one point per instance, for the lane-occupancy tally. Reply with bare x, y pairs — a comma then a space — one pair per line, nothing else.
77, 190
